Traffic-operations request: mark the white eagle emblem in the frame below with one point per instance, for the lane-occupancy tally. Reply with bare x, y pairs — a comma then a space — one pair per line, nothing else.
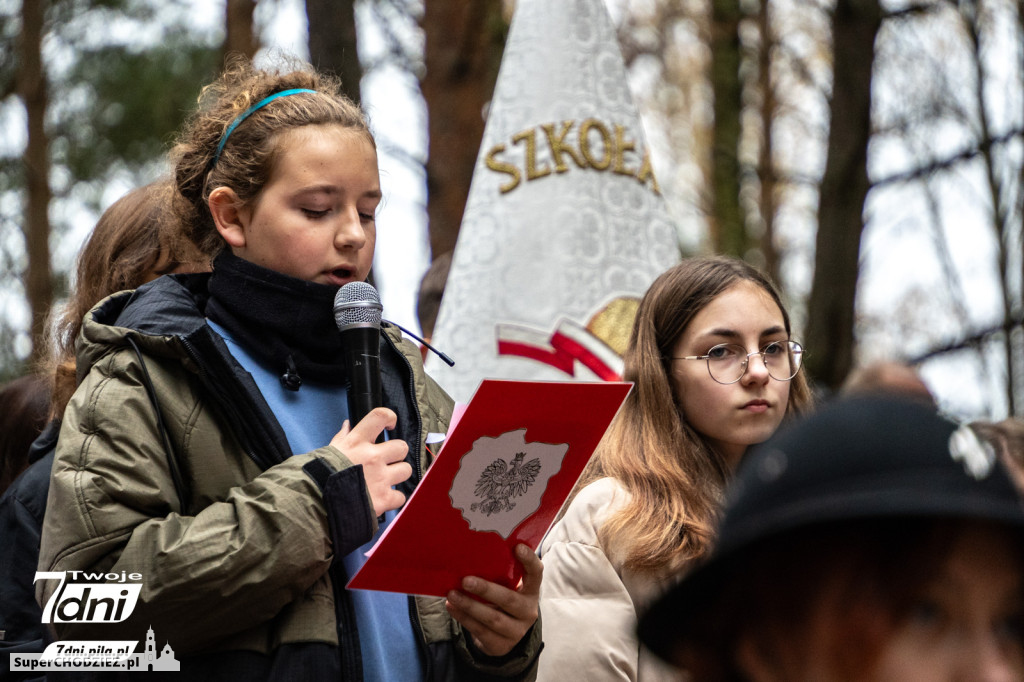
499, 483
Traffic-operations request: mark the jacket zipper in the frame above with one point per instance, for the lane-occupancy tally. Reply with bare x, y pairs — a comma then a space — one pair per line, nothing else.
418, 469
421, 639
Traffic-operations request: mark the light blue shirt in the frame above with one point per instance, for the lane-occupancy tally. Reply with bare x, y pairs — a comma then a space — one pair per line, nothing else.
310, 418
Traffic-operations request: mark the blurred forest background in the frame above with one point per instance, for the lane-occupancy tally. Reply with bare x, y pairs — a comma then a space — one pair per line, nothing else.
868, 155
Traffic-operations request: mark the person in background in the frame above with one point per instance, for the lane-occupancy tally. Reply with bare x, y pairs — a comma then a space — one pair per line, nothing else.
715, 370
428, 299
873, 540
23, 409
888, 377
244, 508
134, 242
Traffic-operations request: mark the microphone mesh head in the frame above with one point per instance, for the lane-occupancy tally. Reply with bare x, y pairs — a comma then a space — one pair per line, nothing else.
357, 304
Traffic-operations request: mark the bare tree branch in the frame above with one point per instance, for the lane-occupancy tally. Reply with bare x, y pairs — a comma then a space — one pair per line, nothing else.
928, 169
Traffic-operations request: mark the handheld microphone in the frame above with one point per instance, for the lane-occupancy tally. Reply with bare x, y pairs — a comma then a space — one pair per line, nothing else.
357, 311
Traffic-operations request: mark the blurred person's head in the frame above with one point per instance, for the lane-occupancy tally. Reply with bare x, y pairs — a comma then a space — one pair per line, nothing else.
887, 377
24, 404
135, 241
873, 540
428, 300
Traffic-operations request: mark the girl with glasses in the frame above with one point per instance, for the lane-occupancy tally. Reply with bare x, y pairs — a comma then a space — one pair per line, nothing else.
715, 370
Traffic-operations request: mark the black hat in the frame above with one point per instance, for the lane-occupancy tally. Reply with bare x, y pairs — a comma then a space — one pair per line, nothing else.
856, 458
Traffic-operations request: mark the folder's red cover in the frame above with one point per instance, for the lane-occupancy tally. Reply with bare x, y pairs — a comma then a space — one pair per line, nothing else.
504, 471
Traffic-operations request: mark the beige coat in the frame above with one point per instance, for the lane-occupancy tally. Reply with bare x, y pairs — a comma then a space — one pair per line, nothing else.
590, 602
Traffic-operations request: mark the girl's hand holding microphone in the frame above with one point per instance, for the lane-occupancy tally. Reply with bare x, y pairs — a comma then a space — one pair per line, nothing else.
383, 464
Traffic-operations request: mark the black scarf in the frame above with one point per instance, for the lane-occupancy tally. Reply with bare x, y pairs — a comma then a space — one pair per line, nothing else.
287, 323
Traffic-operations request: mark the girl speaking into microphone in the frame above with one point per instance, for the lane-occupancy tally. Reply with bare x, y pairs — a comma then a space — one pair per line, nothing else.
202, 449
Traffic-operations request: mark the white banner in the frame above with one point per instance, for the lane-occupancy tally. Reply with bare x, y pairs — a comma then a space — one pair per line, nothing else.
565, 226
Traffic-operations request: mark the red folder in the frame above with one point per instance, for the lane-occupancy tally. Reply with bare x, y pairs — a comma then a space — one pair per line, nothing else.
505, 469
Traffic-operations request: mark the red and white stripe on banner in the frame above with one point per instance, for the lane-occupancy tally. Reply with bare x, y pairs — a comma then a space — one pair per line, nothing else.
570, 342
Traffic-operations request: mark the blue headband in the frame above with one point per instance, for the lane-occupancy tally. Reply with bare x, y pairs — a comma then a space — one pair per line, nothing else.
246, 114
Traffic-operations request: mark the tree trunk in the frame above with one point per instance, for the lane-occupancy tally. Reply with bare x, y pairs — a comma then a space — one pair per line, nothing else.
727, 224
239, 36
332, 42
844, 187
464, 44
31, 86
970, 11
1015, 403
766, 161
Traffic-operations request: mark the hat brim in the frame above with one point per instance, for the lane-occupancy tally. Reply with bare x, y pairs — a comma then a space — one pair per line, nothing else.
663, 628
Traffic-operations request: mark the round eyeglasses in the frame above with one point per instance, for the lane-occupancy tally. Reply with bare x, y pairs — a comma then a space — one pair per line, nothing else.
727, 362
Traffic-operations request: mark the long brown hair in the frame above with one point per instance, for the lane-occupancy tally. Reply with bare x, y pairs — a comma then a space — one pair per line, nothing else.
134, 241
674, 478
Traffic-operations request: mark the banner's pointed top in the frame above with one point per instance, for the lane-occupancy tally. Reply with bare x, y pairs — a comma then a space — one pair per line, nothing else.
565, 226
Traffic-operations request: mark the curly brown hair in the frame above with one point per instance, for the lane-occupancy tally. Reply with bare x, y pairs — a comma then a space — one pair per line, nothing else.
251, 150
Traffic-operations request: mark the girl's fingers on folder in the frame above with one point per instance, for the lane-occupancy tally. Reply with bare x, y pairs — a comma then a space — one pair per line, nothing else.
505, 616
533, 570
